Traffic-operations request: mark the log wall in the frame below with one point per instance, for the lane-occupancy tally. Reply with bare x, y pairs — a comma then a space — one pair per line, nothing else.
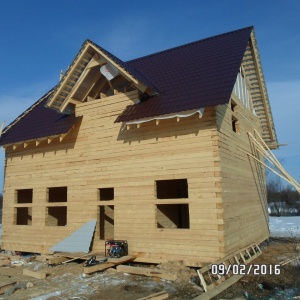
243, 179
99, 154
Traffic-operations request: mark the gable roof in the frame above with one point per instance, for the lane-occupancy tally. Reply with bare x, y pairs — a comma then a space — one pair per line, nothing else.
185, 78
79, 68
37, 122
191, 76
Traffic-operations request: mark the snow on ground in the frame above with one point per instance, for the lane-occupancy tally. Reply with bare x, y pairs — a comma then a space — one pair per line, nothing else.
285, 226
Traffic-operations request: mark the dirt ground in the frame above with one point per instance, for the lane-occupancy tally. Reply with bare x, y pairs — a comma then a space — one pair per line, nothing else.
68, 281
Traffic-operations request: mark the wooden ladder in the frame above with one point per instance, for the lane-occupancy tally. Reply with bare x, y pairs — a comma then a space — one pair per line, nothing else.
210, 279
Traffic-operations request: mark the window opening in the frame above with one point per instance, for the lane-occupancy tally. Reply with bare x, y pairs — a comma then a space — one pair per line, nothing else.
23, 215
172, 216
106, 194
24, 196
58, 194
172, 189
235, 124
56, 216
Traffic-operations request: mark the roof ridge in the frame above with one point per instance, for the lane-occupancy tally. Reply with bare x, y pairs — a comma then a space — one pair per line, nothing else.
190, 44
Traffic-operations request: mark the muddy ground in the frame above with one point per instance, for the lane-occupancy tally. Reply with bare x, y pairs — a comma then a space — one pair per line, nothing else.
68, 281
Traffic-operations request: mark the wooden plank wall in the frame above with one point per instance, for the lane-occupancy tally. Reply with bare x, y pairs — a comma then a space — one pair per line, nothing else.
98, 154
243, 180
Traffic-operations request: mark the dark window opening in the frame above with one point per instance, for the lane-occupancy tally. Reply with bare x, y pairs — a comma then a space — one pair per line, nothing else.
23, 215
172, 189
172, 216
233, 106
58, 194
106, 194
56, 216
106, 222
235, 124
24, 196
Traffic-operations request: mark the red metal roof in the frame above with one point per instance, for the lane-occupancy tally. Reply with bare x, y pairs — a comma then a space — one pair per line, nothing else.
191, 76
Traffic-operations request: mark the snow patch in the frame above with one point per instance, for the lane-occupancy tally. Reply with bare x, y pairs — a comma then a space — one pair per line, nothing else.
284, 226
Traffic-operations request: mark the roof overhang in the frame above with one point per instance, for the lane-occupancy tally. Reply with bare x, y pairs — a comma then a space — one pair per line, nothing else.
253, 69
84, 68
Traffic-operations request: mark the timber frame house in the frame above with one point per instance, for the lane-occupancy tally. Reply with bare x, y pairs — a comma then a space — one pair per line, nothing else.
154, 149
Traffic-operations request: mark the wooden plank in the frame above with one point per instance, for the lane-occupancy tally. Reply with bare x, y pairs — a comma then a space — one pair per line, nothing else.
5, 285
35, 274
122, 259
98, 267
56, 260
157, 296
146, 272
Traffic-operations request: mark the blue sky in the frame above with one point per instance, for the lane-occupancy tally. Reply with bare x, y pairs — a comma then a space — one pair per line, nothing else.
39, 38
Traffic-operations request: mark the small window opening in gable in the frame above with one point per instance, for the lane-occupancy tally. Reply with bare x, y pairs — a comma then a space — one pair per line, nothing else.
23, 216
106, 222
57, 194
56, 216
172, 216
233, 106
24, 196
106, 194
172, 189
235, 124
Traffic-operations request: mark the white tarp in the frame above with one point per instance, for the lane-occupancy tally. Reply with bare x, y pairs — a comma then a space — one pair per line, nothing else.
109, 71
79, 241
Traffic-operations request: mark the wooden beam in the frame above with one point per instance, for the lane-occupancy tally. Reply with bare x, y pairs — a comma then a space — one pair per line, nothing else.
102, 95
62, 136
5, 285
74, 101
127, 126
156, 122
146, 272
140, 86
138, 125
96, 63
35, 274
157, 296
98, 267
70, 74
88, 98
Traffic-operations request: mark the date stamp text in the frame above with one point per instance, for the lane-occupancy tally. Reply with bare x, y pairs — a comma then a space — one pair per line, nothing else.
242, 269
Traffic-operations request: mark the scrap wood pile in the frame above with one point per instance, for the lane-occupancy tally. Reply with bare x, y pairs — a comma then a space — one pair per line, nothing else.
37, 268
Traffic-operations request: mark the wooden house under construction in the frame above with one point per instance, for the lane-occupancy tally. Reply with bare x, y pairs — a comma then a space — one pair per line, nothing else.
155, 149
